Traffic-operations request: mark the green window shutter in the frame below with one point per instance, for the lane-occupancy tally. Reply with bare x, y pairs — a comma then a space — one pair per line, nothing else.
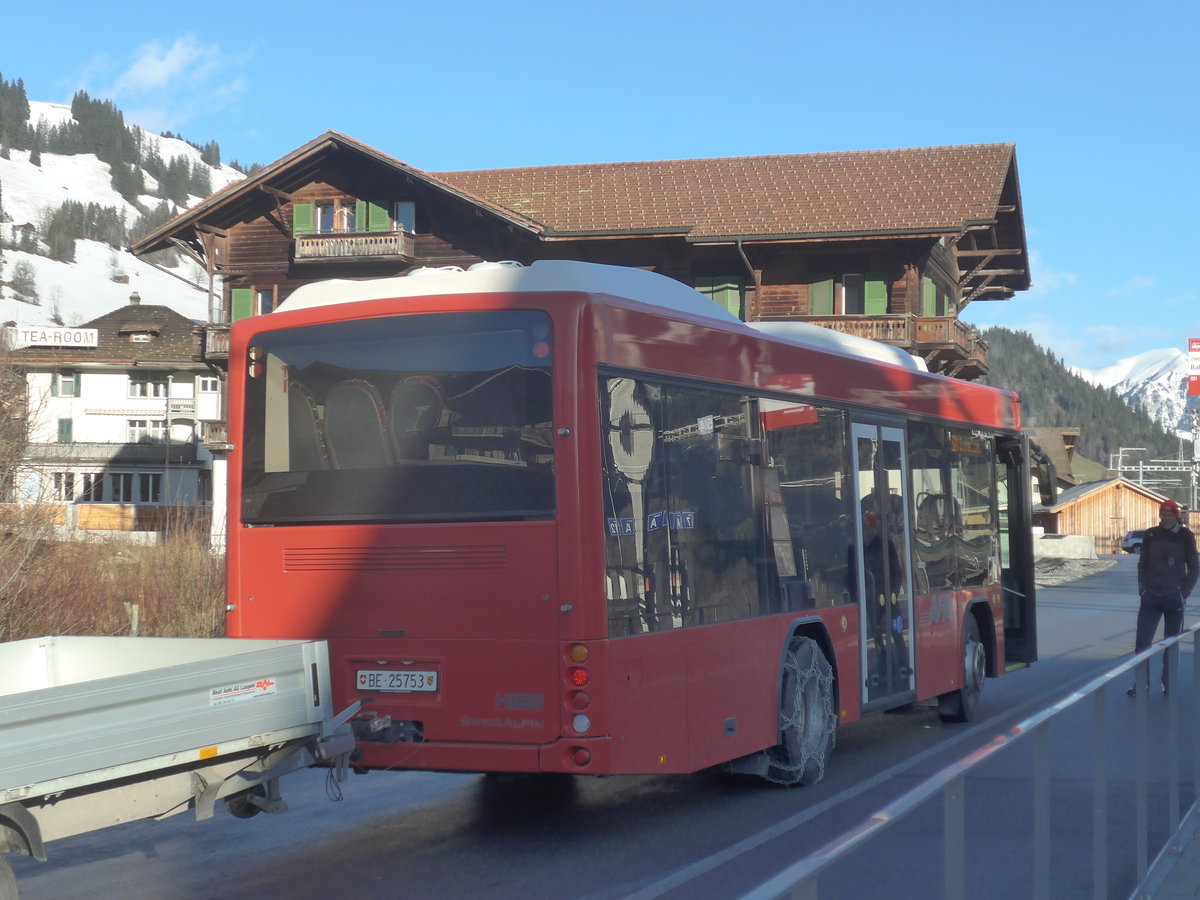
876, 293
728, 293
65, 431
360, 215
241, 303
820, 296
378, 218
78, 384
54, 385
928, 297
724, 290
302, 219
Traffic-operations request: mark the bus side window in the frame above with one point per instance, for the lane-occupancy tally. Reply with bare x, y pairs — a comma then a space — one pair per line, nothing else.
807, 447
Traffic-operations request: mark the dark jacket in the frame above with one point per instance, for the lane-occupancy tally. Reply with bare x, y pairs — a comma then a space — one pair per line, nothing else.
1168, 562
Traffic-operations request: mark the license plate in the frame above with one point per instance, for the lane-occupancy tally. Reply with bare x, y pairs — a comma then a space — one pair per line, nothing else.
405, 681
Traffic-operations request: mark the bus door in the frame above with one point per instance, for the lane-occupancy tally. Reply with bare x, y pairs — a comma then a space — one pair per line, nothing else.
880, 579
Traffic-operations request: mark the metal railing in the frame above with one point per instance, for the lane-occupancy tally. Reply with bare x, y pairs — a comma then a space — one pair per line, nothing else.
173, 453
800, 881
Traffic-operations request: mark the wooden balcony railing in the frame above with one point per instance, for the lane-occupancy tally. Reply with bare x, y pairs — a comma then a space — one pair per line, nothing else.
952, 345
212, 342
355, 246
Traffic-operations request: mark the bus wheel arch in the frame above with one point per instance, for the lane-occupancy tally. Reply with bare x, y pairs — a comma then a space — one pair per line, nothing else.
978, 661
807, 713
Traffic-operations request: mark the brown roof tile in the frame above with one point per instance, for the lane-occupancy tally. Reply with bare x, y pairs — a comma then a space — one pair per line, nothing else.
924, 189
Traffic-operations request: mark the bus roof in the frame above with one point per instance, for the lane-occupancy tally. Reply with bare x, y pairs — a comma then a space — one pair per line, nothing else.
548, 275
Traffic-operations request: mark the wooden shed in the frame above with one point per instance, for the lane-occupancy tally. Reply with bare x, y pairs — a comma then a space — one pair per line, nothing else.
1105, 510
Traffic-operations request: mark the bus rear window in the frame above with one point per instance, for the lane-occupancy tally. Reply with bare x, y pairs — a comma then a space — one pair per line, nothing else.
440, 417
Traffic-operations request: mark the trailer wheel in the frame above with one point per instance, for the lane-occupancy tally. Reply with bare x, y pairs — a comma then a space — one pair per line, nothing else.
240, 804
8, 879
808, 722
963, 705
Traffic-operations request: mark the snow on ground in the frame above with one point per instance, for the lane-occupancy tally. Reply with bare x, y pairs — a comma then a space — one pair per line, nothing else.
81, 291
85, 290
30, 190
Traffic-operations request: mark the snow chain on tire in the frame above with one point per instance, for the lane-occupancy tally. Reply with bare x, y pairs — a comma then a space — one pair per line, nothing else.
817, 671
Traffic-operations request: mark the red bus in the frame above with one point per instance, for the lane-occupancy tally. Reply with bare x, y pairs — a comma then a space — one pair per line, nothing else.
575, 518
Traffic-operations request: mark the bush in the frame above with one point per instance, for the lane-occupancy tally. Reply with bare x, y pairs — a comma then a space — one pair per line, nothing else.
171, 589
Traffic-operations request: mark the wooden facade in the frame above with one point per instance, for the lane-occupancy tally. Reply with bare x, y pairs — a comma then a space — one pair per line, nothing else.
887, 245
1104, 510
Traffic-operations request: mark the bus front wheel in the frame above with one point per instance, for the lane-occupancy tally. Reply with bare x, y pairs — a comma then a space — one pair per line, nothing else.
808, 721
963, 704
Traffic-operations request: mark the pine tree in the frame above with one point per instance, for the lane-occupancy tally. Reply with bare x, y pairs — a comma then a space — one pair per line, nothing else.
211, 154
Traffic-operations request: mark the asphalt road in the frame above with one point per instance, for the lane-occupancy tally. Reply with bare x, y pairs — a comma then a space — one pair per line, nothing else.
406, 834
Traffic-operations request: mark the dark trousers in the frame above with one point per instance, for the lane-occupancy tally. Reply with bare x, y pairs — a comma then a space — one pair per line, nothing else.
1169, 608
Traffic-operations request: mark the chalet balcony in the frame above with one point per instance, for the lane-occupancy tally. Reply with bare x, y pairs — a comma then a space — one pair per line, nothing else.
175, 453
214, 435
212, 343
355, 246
184, 407
948, 345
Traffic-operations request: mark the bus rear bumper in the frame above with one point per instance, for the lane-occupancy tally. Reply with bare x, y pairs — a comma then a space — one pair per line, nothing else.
582, 756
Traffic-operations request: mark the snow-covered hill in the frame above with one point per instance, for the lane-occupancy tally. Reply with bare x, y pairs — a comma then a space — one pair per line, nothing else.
1155, 380
101, 278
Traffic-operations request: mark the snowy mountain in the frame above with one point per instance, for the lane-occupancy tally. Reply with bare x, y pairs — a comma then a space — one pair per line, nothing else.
1155, 380
101, 278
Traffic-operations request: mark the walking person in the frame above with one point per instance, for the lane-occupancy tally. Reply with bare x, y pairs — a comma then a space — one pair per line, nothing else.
1167, 572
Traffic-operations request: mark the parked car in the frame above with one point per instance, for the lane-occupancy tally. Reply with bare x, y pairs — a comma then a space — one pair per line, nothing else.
1133, 542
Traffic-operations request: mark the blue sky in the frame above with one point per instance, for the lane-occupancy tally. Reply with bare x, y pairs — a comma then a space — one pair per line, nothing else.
1100, 99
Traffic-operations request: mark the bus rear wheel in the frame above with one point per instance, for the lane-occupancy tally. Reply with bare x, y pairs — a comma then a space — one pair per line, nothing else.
807, 720
963, 705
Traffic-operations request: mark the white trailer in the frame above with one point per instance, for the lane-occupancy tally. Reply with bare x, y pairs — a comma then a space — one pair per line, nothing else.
97, 731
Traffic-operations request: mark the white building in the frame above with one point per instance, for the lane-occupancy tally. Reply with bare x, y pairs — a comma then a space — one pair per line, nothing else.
116, 410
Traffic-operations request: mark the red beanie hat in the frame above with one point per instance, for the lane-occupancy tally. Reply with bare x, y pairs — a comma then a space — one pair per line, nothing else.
1170, 506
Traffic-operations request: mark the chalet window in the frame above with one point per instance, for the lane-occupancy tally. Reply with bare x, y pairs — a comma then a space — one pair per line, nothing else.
143, 431
64, 486
64, 384
854, 295
404, 215
147, 386
207, 385
861, 293
149, 488
351, 215
93, 488
264, 300
336, 216
121, 487
727, 291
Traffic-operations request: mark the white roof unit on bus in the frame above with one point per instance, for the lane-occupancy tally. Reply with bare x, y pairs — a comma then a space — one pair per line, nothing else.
493, 277
594, 278
819, 338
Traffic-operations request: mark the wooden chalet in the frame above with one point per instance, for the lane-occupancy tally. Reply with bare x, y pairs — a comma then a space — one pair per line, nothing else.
889, 244
1104, 510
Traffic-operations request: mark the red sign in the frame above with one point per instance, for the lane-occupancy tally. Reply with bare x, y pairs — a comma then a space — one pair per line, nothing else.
1193, 389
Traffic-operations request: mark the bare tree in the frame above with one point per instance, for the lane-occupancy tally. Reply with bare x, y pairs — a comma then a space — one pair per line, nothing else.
25, 514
